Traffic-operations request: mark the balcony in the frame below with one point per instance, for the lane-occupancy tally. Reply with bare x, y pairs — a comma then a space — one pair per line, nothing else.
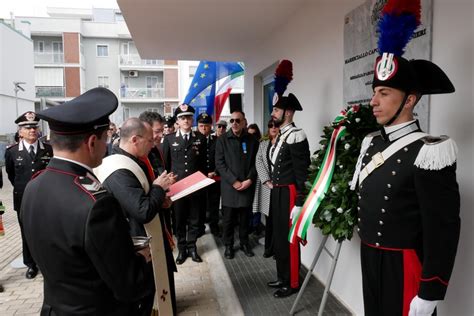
135, 61
49, 58
50, 92
142, 93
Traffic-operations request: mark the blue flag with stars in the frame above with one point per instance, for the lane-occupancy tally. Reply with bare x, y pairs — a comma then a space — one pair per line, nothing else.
202, 92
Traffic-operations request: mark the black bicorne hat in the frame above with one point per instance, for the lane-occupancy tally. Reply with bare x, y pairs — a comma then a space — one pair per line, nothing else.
288, 103
86, 113
418, 75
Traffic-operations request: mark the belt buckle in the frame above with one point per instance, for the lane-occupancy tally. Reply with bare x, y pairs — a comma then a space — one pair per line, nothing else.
378, 160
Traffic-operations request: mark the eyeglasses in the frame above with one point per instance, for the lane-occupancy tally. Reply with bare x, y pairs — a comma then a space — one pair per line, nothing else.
236, 121
271, 126
220, 126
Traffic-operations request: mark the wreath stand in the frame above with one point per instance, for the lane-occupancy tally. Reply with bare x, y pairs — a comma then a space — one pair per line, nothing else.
335, 257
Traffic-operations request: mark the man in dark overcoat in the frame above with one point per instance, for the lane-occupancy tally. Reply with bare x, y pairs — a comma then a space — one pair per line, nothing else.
235, 161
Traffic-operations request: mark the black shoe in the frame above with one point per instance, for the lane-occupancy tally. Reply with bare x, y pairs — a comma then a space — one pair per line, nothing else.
229, 252
194, 255
267, 253
181, 258
31, 272
247, 250
284, 292
275, 284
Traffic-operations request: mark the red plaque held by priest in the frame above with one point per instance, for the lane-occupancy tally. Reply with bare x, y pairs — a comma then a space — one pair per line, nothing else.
188, 185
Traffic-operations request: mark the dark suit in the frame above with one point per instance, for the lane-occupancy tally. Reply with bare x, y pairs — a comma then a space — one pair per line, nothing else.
409, 227
235, 161
183, 159
20, 167
79, 237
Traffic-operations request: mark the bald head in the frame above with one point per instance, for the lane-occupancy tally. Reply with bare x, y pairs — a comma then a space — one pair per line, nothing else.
132, 126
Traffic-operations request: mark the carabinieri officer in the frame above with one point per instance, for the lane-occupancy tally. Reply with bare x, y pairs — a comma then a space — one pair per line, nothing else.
77, 232
185, 153
22, 161
408, 195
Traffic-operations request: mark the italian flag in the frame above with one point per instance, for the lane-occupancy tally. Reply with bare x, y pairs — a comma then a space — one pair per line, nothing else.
223, 88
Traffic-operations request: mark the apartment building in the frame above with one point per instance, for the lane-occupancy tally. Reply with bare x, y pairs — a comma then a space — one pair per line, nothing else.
79, 49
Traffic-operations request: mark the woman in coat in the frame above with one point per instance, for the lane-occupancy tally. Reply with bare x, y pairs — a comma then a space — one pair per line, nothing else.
261, 202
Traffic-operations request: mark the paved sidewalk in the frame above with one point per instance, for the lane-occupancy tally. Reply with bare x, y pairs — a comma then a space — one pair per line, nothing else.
201, 289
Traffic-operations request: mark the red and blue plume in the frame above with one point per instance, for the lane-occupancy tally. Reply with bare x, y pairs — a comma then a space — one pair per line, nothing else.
283, 76
399, 20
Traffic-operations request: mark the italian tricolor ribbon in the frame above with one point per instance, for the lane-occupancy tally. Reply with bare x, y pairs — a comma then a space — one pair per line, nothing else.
321, 184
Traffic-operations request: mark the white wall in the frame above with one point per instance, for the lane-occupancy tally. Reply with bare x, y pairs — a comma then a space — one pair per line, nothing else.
313, 40
453, 49
16, 64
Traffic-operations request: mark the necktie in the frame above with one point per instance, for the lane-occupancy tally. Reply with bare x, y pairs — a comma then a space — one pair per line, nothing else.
186, 138
32, 152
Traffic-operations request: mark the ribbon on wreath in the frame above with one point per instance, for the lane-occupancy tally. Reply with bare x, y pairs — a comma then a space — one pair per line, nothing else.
304, 218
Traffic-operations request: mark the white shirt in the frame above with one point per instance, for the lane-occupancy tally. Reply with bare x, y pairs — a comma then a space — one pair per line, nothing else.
27, 145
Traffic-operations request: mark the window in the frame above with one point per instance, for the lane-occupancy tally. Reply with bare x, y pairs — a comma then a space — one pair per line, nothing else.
192, 71
103, 81
126, 113
40, 47
102, 50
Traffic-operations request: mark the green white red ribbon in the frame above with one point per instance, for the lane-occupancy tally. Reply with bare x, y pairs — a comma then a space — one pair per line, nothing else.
304, 218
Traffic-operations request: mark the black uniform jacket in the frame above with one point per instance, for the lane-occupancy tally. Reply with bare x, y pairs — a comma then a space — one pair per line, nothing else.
235, 161
79, 238
402, 206
20, 167
210, 145
184, 159
140, 208
292, 161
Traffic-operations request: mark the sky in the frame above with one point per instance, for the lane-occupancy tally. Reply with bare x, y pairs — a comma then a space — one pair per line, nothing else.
38, 7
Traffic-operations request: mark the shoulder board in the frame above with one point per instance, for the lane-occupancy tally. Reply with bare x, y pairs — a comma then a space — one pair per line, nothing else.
11, 146
296, 135
436, 153
92, 185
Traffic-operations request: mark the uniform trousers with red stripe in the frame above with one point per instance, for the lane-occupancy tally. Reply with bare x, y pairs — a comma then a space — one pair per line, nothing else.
287, 255
390, 280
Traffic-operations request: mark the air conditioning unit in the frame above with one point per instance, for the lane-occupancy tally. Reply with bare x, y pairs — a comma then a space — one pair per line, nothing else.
133, 73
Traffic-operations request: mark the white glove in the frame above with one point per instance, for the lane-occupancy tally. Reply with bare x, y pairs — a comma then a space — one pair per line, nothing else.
295, 211
421, 307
